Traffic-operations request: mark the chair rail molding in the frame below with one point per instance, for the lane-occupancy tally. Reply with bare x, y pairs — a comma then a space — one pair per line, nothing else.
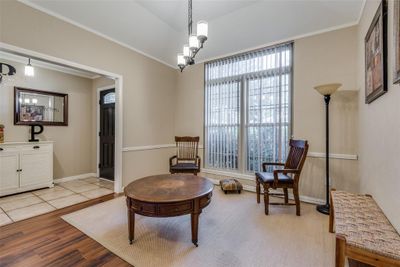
310, 154
150, 147
332, 156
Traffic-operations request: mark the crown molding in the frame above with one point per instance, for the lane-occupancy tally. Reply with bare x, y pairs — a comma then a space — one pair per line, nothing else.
44, 65
361, 11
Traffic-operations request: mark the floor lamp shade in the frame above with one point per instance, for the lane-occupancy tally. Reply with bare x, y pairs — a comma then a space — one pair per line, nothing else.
326, 90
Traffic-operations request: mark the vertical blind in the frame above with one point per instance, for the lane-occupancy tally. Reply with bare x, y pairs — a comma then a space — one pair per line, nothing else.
248, 109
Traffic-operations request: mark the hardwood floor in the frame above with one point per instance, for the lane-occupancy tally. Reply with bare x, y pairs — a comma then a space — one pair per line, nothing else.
48, 240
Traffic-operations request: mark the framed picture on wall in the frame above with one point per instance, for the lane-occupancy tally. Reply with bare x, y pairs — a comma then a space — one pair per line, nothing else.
375, 55
396, 38
32, 113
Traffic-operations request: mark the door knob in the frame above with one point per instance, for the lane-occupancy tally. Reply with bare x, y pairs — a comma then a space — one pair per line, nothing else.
36, 147
1, 149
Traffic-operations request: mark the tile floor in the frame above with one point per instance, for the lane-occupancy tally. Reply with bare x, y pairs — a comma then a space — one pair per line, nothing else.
25, 205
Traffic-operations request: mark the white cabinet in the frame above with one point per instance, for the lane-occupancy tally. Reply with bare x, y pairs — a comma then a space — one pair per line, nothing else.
25, 166
9, 171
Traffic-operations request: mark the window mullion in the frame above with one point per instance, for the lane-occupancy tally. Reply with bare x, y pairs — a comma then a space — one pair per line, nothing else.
243, 124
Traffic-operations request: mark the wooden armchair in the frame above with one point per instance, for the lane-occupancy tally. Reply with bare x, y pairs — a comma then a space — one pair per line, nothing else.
285, 178
186, 159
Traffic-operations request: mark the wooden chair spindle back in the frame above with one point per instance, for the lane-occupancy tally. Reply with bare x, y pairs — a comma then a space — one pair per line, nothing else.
187, 148
297, 154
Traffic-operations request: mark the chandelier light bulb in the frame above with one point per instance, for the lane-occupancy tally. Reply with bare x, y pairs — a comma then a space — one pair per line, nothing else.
181, 60
202, 31
186, 51
193, 43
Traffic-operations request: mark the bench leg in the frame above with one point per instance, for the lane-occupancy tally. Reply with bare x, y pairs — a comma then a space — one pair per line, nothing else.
340, 251
331, 213
331, 218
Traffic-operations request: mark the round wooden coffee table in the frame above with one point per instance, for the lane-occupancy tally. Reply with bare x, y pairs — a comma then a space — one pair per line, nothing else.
166, 196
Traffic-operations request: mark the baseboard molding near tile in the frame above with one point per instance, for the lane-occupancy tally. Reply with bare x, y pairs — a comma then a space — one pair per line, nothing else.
75, 177
305, 199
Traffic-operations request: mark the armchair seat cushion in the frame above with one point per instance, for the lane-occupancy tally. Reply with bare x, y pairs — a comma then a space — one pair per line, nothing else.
184, 166
268, 177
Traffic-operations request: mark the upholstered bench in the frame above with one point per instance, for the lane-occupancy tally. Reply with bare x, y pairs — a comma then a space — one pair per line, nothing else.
228, 185
363, 232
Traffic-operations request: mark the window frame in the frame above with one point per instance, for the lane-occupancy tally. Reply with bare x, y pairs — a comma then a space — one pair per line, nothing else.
243, 122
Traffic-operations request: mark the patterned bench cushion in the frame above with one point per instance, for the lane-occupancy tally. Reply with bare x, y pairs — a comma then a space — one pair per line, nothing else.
360, 220
230, 185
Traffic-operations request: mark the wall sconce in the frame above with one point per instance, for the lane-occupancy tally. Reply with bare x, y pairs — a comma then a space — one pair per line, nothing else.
29, 70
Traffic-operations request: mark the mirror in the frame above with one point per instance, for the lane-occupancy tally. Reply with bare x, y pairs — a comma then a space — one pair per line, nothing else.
40, 107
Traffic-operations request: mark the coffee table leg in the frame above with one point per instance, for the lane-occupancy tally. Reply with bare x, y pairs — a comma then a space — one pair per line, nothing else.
131, 225
195, 227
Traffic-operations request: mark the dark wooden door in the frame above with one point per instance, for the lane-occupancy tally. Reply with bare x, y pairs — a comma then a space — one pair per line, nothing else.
107, 133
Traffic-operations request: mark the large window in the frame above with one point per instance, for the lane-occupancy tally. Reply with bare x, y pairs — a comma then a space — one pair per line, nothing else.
248, 109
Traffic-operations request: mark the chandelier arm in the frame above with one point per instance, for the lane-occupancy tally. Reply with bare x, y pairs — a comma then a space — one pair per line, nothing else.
190, 17
189, 60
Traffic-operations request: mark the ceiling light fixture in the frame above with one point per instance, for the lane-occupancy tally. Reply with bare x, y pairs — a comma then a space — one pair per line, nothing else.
195, 41
29, 70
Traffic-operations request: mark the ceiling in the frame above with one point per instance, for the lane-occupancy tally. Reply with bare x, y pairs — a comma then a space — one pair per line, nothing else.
158, 28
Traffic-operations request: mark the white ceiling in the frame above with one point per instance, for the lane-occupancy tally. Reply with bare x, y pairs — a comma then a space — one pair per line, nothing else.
158, 28
175, 13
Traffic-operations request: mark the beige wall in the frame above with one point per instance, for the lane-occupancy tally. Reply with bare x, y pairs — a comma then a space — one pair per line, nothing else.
72, 143
380, 128
323, 58
326, 58
148, 86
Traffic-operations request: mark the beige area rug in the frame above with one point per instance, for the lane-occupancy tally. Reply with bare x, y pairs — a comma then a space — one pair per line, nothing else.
233, 232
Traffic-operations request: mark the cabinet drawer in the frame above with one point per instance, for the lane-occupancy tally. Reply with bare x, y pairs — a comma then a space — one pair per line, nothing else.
143, 207
178, 208
37, 147
8, 148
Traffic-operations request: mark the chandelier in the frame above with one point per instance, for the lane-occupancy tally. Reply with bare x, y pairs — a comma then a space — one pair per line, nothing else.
195, 41
6, 70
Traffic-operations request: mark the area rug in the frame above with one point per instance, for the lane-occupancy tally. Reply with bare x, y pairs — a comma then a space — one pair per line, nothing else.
233, 232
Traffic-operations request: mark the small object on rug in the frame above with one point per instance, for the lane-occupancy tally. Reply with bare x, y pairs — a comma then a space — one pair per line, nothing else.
231, 185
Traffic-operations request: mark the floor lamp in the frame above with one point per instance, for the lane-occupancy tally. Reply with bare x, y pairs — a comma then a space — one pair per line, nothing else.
326, 90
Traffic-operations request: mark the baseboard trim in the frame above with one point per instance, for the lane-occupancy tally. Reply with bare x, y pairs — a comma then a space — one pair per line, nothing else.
252, 188
75, 177
229, 174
